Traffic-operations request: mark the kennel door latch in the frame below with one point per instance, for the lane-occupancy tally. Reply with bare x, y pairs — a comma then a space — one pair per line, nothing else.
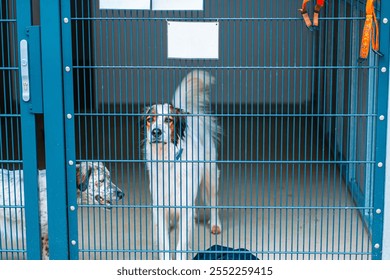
24, 70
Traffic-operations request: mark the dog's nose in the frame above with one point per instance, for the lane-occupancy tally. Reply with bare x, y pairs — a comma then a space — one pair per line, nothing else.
156, 132
120, 194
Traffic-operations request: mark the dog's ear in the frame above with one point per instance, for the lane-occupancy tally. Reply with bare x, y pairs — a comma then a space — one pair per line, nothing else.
180, 124
143, 117
142, 121
82, 176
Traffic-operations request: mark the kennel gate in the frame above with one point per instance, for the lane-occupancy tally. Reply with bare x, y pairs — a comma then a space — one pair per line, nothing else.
17, 119
308, 179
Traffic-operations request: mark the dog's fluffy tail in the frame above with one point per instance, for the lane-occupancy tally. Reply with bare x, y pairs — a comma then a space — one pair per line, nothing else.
193, 94
193, 97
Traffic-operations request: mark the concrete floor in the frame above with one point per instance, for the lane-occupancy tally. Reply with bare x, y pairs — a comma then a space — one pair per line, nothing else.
275, 230
278, 207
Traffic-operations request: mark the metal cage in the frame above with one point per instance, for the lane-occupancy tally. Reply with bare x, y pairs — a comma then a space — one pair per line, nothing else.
302, 141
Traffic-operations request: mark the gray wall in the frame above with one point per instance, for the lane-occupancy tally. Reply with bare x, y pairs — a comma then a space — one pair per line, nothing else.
260, 44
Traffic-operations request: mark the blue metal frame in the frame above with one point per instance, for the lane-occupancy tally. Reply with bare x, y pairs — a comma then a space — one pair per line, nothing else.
54, 128
70, 127
29, 142
381, 130
371, 197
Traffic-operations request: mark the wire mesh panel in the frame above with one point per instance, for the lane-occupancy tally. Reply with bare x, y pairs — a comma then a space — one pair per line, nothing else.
13, 239
296, 117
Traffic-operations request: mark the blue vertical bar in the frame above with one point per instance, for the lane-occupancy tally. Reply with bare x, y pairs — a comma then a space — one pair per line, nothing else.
29, 147
69, 127
52, 70
381, 125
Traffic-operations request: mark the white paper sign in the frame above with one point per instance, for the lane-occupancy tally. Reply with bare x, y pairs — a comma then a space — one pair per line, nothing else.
125, 4
177, 4
193, 40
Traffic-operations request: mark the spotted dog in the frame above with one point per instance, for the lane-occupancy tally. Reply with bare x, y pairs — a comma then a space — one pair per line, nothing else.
94, 186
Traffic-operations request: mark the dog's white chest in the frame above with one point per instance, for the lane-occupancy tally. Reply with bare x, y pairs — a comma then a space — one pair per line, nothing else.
168, 172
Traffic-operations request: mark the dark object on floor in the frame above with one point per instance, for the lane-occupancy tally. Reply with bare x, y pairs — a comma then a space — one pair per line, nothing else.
217, 252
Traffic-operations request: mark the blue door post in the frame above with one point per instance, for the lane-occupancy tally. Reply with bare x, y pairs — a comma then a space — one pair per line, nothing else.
54, 128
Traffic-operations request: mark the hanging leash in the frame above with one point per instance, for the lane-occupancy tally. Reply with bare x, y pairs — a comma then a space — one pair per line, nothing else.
311, 25
370, 33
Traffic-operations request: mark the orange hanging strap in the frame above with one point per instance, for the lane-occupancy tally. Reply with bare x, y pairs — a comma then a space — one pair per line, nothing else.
370, 32
306, 18
375, 34
304, 14
317, 8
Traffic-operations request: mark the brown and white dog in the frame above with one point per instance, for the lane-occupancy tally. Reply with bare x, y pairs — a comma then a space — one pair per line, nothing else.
181, 150
94, 186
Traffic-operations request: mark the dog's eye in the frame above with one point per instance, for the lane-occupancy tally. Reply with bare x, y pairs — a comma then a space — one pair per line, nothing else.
169, 120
